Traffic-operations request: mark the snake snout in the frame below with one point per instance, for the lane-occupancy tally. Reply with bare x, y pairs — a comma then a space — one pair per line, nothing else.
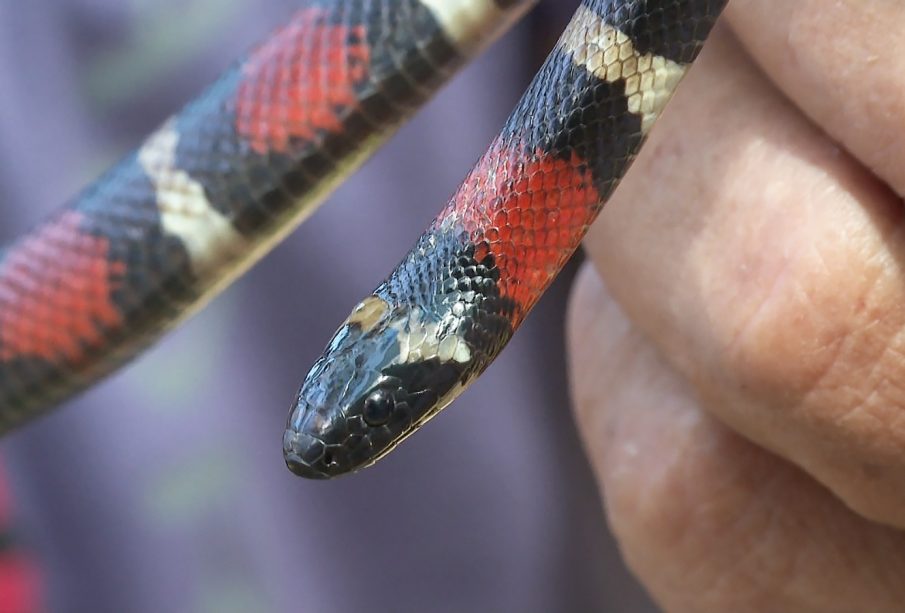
306, 455
313, 443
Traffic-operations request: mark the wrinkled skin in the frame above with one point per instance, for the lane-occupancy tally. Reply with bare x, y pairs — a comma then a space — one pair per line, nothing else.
735, 341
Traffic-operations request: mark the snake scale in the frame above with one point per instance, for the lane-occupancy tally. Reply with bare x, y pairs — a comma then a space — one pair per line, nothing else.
221, 182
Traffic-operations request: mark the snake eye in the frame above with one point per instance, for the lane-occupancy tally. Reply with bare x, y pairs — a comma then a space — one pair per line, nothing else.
377, 408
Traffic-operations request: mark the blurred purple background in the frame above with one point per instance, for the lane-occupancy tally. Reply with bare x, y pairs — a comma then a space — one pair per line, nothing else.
163, 489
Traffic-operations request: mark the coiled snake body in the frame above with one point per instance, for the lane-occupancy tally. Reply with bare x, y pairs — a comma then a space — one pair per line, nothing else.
215, 186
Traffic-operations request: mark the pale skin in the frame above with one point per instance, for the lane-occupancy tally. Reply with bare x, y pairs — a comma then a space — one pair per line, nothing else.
737, 338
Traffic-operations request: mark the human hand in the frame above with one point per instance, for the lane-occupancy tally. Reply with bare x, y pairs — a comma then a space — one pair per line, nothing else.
744, 407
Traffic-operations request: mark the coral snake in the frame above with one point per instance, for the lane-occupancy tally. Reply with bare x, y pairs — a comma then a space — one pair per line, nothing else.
222, 181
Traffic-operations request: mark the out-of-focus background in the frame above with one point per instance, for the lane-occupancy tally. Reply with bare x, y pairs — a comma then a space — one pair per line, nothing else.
163, 488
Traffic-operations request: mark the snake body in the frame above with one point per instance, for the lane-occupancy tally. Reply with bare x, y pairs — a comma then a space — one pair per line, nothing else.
444, 314
217, 185
222, 181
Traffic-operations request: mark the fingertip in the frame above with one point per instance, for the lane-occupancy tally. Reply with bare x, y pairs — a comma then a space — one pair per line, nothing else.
595, 327
632, 409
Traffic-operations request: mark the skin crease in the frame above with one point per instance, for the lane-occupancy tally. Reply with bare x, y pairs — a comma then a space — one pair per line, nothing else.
744, 406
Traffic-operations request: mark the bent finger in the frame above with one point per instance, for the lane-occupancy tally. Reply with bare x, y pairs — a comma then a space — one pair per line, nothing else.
843, 63
708, 521
766, 264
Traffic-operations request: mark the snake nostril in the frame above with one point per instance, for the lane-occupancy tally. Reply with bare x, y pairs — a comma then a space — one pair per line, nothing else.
329, 459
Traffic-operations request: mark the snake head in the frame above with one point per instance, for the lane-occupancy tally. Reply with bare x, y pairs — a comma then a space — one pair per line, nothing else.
387, 370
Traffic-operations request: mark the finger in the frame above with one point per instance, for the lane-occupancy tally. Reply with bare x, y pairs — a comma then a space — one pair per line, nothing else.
708, 521
843, 63
767, 265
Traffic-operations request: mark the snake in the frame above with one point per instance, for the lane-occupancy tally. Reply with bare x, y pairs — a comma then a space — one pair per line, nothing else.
225, 179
